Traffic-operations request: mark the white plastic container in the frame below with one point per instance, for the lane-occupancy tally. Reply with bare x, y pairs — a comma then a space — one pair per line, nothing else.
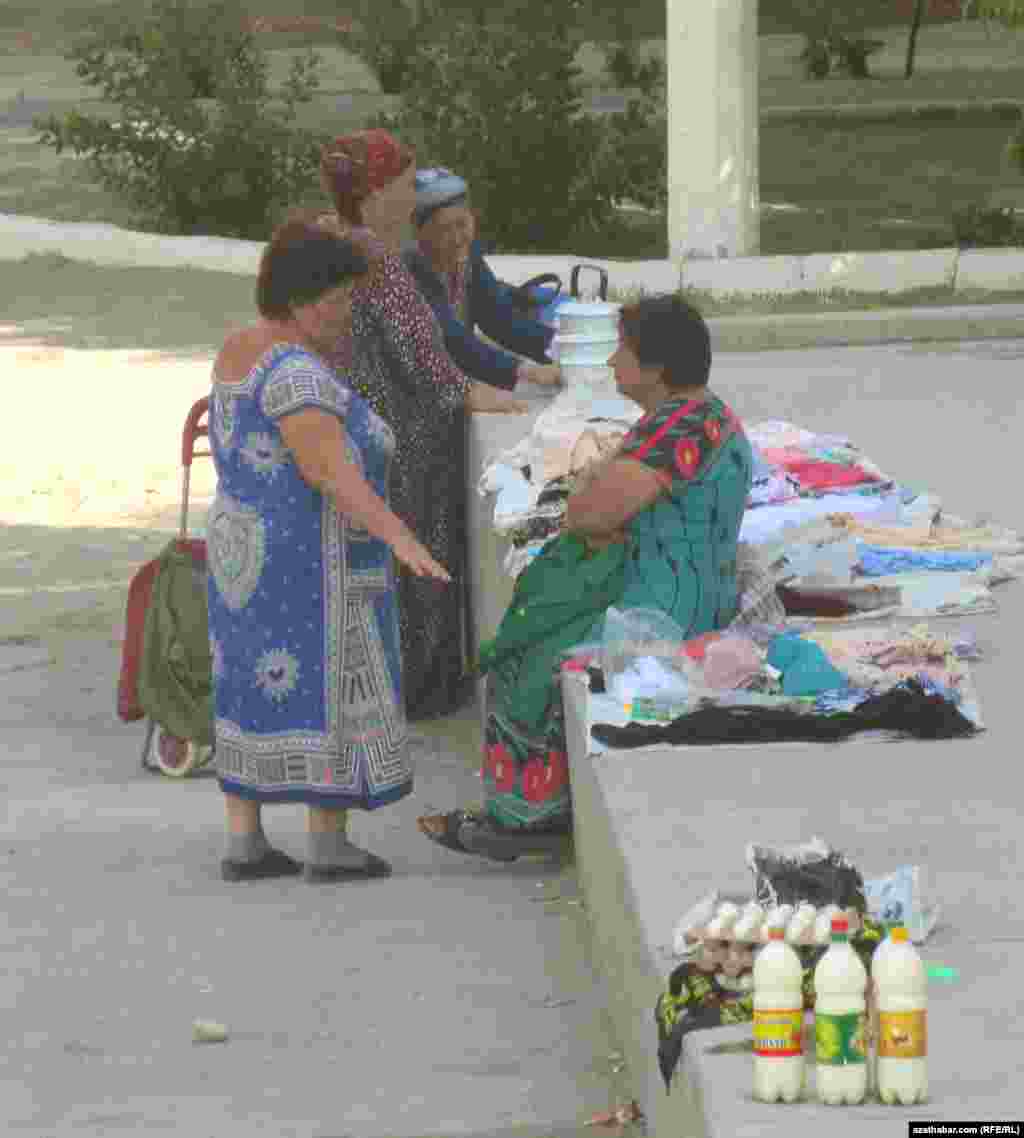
778, 918
840, 1022
721, 925
800, 929
778, 1022
748, 927
901, 988
594, 350
823, 924
588, 318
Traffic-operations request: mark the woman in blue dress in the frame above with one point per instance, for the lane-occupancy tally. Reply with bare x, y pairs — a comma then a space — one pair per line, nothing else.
302, 609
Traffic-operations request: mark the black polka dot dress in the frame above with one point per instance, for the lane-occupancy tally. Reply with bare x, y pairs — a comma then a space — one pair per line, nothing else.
396, 360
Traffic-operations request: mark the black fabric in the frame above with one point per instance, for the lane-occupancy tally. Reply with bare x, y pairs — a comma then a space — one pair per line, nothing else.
829, 880
907, 709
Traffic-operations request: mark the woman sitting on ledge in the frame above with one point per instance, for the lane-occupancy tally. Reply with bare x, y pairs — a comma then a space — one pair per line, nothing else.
654, 526
453, 276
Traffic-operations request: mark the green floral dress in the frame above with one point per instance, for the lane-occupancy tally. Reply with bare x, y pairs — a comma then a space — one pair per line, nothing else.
679, 556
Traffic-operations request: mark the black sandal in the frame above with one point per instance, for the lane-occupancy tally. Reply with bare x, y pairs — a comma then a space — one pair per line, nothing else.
274, 863
375, 867
467, 833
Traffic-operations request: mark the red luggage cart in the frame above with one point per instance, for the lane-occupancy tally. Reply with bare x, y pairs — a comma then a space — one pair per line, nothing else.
162, 752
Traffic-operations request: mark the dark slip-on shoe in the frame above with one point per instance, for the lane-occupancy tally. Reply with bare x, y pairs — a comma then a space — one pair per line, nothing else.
375, 867
274, 863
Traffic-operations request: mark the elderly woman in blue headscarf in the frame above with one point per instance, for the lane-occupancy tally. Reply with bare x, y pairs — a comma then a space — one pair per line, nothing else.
448, 265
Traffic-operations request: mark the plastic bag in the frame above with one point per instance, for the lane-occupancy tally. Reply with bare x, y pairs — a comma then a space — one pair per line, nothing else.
632, 633
695, 918
899, 900
811, 872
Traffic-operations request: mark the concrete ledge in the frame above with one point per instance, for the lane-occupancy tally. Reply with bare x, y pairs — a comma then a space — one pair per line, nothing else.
977, 269
745, 274
110, 246
893, 272
879, 272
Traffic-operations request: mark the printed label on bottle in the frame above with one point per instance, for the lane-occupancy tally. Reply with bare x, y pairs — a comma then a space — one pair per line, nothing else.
840, 1040
779, 1033
902, 1035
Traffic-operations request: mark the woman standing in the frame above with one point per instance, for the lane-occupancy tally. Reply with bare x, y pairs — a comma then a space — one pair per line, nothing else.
302, 617
450, 269
398, 362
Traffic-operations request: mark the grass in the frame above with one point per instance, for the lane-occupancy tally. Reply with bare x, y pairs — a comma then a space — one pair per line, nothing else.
856, 186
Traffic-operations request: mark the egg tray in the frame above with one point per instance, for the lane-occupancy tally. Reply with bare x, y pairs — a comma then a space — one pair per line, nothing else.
717, 922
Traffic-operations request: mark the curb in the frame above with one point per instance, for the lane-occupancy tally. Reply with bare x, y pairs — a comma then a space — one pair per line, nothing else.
1000, 269
793, 331
1003, 110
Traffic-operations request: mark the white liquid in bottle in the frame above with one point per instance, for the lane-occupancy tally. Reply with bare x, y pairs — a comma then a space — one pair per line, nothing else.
901, 986
778, 1022
801, 928
840, 1022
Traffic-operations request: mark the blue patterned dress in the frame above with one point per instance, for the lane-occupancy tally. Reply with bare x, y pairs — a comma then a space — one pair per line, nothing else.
303, 617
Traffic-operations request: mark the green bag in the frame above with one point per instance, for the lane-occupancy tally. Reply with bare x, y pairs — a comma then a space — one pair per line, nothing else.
175, 681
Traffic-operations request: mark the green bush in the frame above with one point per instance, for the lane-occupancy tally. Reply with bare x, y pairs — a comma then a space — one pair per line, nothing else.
503, 107
386, 37
202, 145
986, 227
625, 67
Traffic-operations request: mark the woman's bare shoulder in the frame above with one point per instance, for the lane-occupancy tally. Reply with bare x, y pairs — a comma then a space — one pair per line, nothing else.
243, 349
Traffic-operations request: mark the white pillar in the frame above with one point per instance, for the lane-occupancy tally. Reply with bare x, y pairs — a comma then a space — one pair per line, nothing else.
712, 59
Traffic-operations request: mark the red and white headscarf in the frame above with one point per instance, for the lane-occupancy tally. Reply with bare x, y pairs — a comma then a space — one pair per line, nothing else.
356, 165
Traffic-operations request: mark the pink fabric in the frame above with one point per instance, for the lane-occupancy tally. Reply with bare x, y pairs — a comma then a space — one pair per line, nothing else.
730, 663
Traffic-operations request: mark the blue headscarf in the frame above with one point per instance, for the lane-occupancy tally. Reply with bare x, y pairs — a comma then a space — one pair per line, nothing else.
435, 189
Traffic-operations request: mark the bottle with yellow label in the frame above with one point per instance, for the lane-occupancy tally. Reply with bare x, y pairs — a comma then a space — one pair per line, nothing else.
778, 1021
901, 986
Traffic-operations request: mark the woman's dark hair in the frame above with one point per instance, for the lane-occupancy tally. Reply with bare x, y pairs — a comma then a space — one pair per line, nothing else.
667, 332
301, 262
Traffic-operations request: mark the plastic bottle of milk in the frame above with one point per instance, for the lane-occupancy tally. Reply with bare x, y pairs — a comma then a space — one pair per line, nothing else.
778, 1022
840, 1021
901, 987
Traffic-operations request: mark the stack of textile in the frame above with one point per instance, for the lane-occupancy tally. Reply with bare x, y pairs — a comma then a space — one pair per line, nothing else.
768, 683
533, 480
826, 534
815, 465
799, 476
938, 567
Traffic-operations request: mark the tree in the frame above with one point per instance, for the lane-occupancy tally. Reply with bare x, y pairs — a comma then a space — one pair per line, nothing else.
1011, 13
915, 25
202, 144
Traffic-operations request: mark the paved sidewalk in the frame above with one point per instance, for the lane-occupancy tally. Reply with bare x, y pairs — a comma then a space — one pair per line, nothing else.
450, 1000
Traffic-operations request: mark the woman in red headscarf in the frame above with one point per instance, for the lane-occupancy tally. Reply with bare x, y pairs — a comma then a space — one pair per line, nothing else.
397, 361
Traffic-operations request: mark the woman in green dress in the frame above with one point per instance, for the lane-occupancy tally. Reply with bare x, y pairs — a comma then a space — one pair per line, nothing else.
656, 526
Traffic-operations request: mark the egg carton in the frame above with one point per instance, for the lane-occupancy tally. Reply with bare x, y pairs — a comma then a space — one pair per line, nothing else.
720, 920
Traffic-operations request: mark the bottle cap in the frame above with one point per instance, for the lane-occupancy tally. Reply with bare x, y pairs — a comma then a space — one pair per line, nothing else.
840, 925
776, 933
898, 934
